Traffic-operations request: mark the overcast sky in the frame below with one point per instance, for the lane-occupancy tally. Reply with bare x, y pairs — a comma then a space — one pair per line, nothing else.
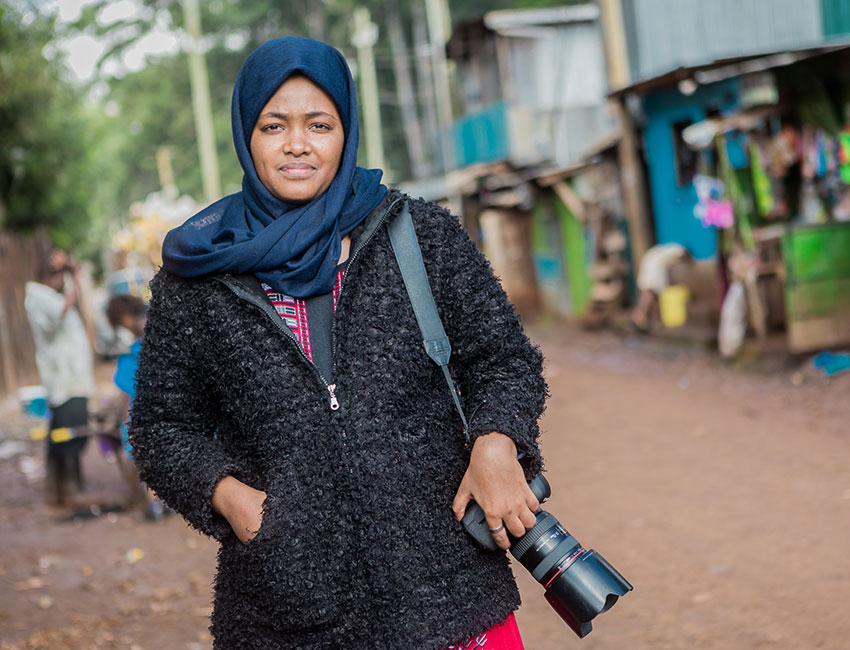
83, 51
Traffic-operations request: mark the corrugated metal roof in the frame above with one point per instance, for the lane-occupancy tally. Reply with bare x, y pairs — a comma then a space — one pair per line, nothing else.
665, 34
464, 35
511, 18
720, 69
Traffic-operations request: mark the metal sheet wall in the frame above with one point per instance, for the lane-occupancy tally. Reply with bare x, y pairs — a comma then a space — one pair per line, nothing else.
553, 106
665, 34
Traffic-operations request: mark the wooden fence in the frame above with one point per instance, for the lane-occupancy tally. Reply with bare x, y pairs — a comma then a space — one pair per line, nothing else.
20, 256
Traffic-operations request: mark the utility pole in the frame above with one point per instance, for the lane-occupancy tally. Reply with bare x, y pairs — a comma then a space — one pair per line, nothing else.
425, 81
364, 38
616, 53
438, 28
632, 178
166, 172
404, 91
201, 102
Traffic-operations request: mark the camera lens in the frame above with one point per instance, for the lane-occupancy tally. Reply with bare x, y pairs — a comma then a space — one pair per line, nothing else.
546, 549
579, 583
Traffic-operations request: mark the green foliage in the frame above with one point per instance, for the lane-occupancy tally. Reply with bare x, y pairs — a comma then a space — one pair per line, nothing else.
44, 158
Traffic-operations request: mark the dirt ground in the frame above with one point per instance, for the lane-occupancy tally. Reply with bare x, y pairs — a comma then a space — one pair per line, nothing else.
721, 492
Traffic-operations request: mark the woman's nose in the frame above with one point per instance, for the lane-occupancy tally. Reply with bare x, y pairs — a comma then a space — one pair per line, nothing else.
297, 143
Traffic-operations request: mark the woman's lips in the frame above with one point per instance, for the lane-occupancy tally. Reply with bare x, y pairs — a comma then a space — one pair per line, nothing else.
297, 170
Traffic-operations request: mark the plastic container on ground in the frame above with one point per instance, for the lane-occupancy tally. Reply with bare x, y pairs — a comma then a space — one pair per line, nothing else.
673, 303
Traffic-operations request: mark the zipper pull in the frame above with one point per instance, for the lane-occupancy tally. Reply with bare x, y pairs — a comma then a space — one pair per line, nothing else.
334, 400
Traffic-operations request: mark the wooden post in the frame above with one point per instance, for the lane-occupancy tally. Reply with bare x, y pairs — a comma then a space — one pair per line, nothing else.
633, 185
632, 178
201, 103
437, 13
165, 170
364, 37
616, 53
404, 91
425, 80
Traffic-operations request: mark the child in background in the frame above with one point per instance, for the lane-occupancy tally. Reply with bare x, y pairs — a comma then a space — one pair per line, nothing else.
130, 312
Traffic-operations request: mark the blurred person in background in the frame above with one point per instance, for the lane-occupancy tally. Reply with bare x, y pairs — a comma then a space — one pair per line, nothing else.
130, 313
64, 360
285, 404
654, 275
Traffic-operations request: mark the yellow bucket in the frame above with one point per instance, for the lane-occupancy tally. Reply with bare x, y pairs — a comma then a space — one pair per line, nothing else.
673, 303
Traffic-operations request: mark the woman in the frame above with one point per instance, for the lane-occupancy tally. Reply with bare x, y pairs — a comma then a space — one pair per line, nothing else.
285, 404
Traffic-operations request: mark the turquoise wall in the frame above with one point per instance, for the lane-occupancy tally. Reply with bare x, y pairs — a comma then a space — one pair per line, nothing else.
482, 136
672, 205
836, 17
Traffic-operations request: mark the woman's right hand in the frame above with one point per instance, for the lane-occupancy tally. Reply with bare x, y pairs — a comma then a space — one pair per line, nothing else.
241, 505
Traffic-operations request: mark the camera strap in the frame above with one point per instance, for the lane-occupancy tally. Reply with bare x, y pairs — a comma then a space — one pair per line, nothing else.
409, 257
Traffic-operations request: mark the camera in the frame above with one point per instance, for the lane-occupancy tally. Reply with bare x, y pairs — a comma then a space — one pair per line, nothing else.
580, 584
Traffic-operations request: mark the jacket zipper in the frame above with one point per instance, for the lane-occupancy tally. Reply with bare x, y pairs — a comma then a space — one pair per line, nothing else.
278, 322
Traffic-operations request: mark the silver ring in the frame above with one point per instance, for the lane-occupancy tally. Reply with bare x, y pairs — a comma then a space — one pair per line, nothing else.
497, 529
253, 532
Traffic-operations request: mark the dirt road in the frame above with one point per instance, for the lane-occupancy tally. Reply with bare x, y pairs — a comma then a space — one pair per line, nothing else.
722, 494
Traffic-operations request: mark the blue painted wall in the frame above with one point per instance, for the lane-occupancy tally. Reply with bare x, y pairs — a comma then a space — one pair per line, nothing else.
673, 206
836, 18
482, 136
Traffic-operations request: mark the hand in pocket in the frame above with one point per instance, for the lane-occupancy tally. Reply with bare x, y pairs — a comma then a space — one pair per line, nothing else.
241, 505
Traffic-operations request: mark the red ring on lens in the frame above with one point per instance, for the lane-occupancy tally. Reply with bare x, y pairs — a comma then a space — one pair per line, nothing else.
566, 565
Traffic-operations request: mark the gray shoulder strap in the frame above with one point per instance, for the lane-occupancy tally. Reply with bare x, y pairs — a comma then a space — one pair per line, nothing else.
409, 257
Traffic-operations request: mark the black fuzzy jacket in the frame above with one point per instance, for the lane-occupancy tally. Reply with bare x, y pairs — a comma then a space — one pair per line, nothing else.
359, 548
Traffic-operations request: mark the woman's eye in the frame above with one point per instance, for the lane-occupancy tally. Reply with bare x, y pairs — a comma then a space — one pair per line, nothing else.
270, 128
318, 126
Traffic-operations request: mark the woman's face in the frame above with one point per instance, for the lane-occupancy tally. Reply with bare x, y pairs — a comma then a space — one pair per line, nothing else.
297, 141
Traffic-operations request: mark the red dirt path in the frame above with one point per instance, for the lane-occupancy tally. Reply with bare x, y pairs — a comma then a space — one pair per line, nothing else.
722, 494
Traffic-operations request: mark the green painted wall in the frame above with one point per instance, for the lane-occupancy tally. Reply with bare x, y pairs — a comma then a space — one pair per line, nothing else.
539, 242
575, 257
548, 250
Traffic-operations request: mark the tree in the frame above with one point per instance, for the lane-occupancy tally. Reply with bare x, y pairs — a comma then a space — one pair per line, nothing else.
45, 162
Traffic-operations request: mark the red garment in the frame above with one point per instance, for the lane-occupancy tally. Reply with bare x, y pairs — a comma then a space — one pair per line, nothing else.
504, 636
293, 311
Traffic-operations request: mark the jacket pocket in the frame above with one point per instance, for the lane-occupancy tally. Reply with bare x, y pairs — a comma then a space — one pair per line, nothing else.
268, 503
282, 577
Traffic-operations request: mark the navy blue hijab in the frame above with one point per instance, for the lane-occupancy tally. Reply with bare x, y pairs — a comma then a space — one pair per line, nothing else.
293, 247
